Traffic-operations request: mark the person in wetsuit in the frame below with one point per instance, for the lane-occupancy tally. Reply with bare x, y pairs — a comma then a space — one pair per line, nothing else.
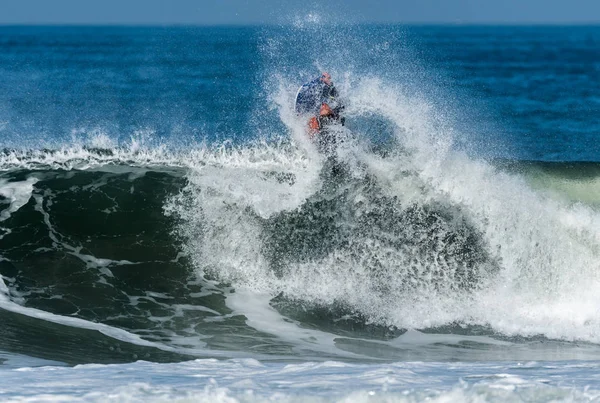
319, 98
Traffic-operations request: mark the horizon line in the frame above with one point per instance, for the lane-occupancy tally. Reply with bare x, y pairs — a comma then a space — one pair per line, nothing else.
267, 24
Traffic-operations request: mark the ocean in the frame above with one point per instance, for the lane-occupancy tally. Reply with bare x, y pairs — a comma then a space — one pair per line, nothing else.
169, 232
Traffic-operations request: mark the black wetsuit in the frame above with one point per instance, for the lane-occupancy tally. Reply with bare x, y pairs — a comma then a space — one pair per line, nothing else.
309, 100
315, 93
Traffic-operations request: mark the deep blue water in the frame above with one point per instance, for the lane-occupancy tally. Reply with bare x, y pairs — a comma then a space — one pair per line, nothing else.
200, 81
532, 92
539, 84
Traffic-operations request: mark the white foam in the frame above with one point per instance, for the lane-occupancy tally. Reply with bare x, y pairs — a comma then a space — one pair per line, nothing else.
548, 250
261, 316
110, 331
19, 361
18, 194
4, 291
254, 381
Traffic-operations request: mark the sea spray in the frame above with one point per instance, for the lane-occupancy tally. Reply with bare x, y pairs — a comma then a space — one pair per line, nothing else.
435, 238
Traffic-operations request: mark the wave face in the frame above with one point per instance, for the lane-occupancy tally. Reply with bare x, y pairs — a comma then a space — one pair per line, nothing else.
164, 261
415, 240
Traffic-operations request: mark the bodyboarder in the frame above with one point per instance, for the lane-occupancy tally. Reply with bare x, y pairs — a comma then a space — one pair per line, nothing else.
319, 99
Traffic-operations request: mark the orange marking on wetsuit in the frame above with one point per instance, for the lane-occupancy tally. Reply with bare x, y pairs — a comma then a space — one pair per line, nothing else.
313, 126
325, 110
